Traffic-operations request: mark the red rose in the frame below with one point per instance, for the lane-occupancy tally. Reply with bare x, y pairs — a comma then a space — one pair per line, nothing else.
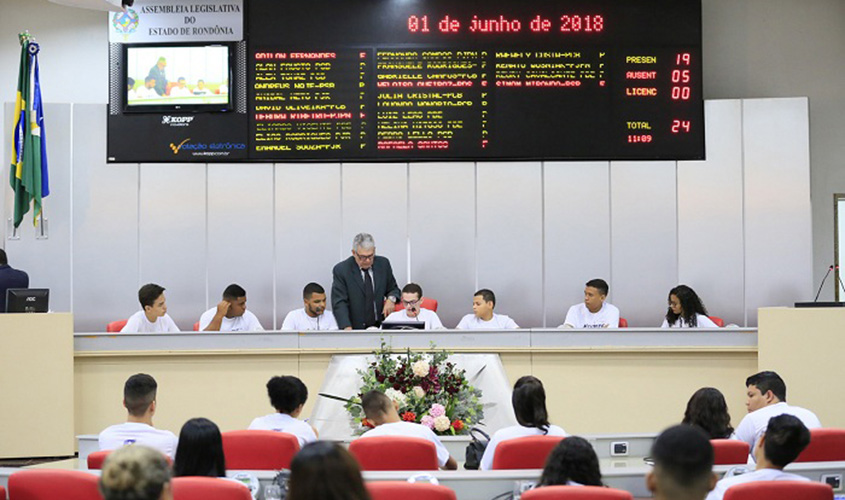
458, 425
409, 416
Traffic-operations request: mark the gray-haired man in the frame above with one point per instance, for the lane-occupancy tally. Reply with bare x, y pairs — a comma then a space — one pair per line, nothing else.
364, 290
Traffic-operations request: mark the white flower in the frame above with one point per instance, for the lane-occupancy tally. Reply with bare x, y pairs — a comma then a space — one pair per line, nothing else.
419, 392
442, 423
396, 396
420, 368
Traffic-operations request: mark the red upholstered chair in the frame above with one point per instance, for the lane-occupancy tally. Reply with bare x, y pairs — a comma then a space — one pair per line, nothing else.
826, 445
50, 484
2, 493
202, 488
780, 490
391, 490
623, 323
729, 451
116, 326
197, 326
96, 459
576, 493
259, 450
427, 303
394, 453
719, 321
524, 453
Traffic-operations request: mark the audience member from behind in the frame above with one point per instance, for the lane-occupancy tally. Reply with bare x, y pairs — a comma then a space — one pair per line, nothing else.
483, 317
708, 410
136, 473
200, 450
230, 315
287, 395
139, 398
784, 439
572, 462
314, 315
683, 464
412, 296
766, 399
686, 310
594, 312
152, 318
9, 278
529, 405
382, 412
325, 471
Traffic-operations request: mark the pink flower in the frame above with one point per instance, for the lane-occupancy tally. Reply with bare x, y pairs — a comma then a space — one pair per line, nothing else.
437, 410
428, 421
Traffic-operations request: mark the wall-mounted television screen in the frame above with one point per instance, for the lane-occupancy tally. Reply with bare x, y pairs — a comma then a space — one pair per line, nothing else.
165, 78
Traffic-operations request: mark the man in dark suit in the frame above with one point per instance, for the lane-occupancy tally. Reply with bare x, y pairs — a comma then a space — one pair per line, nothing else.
364, 290
9, 278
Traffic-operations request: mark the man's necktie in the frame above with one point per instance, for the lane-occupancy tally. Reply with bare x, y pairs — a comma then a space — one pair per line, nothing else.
369, 298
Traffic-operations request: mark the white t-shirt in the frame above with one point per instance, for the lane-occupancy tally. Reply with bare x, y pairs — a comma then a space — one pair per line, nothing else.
180, 92
758, 475
143, 92
138, 323
498, 322
282, 422
432, 321
247, 322
299, 320
513, 432
754, 424
410, 429
579, 316
703, 322
120, 435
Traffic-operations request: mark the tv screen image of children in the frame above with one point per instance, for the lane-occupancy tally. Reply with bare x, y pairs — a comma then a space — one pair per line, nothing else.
177, 75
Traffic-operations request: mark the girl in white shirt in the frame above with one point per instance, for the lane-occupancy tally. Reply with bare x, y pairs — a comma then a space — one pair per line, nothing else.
686, 310
572, 462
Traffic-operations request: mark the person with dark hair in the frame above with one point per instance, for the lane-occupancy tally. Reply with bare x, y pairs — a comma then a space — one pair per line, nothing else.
572, 462
529, 405
683, 464
325, 471
766, 399
230, 315
784, 439
153, 317
136, 473
201, 89
130, 89
383, 413
288, 396
483, 317
181, 89
200, 450
10, 278
594, 312
314, 315
412, 296
686, 310
148, 89
708, 410
139, 399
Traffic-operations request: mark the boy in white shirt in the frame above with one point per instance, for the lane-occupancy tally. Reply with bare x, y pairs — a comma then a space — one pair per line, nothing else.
412, 296
139, 398
383, 413
230, 315
181, 89
483, 317
153, 317
314, 315
683, 464
287, 395
784, 439
594, 312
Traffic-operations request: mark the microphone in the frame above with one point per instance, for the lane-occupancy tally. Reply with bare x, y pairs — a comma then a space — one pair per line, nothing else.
829, 269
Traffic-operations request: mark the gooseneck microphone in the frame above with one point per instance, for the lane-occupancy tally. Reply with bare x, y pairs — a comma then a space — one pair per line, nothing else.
829, 269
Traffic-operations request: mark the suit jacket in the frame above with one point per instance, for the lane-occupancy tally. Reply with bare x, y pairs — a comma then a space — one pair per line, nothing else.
348, 304
11, 278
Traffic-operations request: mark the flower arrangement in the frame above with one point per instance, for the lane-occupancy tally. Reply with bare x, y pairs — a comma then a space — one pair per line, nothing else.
429, 389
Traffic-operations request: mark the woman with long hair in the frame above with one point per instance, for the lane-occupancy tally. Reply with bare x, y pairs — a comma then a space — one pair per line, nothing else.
136, 473
572, 462
323, 470
200, 450
529, 406
686, 310
708, 410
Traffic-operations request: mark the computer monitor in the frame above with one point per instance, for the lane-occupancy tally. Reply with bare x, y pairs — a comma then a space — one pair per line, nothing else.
27, 300
403, 325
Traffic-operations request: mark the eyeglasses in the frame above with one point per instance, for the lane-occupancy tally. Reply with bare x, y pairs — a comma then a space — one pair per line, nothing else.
411, 303
365, 257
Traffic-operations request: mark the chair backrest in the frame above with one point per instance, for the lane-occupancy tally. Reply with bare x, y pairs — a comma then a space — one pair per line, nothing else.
50, 484
524, 453
202, 488
427, 303
197, 326
391, 490
96, 459
780, 490
719, 321
2, 493
623, 323
394, 453
259, 450
116, 326
729, 451
576, 493
826, 445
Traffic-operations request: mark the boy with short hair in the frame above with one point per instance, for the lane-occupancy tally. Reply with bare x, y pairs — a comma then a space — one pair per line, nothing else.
152, 318
287, 395
483, 317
